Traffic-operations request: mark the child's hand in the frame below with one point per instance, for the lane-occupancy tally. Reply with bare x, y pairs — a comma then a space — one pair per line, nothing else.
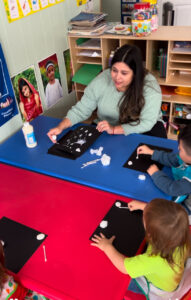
144, 150
101, 241
152, 169
135, 205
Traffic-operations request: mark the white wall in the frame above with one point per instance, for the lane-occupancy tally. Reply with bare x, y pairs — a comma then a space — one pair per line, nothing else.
113, 8
29, 40
182, 12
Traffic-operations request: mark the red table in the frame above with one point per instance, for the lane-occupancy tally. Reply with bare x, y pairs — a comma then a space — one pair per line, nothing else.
68, 213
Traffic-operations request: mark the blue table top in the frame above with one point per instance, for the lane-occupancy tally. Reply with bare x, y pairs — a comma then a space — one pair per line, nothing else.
113, 178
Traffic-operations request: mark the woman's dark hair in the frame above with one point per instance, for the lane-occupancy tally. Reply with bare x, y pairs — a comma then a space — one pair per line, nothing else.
167, 230
22, 83
2, 268
132, 101
185, 137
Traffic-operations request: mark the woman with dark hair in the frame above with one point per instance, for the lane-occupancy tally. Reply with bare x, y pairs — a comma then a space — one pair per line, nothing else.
127, 98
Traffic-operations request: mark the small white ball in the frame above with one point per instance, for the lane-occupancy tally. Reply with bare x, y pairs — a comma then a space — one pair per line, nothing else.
103, 224
105, 160
40, 236
142, 177
130, 162
54, 137
118, 204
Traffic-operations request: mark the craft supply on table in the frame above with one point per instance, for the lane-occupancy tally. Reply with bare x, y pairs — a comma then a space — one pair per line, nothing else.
105, 160
75, 142
29, 135
98, 152
142, 177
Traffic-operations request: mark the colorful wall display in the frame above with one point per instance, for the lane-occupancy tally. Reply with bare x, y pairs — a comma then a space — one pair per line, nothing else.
51, 80
81, 2
69, 72
18, 9
26, 91
8, 107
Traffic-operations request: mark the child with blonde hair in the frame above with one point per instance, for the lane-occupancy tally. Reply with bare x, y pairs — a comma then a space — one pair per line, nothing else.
164, 270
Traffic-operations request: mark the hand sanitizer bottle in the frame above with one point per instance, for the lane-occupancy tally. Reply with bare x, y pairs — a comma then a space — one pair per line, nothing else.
29, 135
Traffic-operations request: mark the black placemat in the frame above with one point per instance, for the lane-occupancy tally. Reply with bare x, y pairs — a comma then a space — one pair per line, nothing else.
75, 142
143, 161
127, 226
20, 243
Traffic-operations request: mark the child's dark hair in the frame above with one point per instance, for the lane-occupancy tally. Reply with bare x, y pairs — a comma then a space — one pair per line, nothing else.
2, 268
185, 137
167, 229
132, 101
22, 83
48, 64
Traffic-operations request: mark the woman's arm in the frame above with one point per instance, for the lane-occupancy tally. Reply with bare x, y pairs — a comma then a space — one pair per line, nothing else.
57, 130
105, 126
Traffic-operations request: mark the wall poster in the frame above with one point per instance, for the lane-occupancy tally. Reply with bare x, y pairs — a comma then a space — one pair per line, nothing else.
8, 107
18, 9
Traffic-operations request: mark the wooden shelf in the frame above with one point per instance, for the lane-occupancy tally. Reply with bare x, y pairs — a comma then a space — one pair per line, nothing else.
172, 136
89, 60
180, 66
180, 58
178, 79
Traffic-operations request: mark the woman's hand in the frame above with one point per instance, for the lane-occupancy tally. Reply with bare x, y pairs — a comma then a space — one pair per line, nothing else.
101, 241
144, 150
152, 169
136, 205
105, 126
54, 132
57, 130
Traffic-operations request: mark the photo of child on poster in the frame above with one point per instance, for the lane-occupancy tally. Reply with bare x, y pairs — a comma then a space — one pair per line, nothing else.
26, 91
69, 73
8, 107
51, 80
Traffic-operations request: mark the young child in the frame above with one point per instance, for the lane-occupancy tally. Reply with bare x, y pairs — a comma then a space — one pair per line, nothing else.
160, 269
53, 89
30, 104
9, 289
180, 185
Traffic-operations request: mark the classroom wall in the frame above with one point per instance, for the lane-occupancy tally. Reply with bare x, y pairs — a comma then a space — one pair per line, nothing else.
29, 40
113, 9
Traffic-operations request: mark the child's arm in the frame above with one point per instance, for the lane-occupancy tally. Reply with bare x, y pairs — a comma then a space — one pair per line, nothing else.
21, 105
144, 150
168, 159
37, 100
136, 205
106, 246
170, 186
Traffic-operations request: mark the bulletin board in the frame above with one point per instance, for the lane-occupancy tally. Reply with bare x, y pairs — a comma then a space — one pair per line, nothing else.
18, 9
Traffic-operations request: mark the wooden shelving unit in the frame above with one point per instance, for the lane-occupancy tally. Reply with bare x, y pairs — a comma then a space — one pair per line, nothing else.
178, 72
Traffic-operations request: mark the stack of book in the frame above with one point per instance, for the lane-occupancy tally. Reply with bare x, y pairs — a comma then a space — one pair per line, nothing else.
86, 23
